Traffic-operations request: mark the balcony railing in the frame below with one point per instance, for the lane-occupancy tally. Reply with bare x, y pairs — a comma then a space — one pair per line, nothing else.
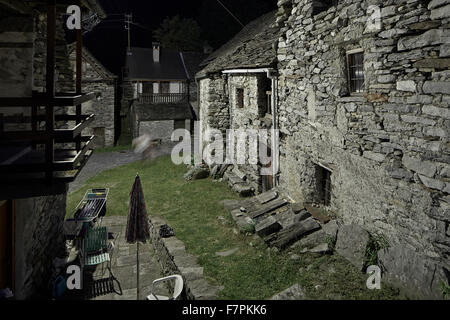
157, 98
22, 161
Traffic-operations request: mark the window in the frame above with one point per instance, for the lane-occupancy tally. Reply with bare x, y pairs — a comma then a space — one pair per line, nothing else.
322, 5
323, 179
147, 87
165, 87
267, 92
240, 97
355, 67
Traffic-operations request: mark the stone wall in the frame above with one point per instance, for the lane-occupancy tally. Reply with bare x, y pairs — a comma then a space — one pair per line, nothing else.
39, 239
173, 258
98, 80
38, 221
63, 71
214, 109
387, 149
156, 129
103, 108
16, 54
252, 116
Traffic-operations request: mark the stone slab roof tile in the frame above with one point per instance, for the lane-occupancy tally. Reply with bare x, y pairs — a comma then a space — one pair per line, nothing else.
253, 47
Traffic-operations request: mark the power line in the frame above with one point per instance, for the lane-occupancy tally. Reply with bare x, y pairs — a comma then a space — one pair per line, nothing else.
231, 13
141, 26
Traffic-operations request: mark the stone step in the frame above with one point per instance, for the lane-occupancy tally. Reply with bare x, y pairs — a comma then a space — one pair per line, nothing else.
232, 178
267, 196
267, 226
244, 189
272, 205
292, 233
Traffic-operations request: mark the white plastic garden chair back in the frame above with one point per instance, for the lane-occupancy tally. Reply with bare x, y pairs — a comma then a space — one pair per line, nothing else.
178, 288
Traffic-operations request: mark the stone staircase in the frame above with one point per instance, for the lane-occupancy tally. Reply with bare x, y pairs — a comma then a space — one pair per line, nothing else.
279, 222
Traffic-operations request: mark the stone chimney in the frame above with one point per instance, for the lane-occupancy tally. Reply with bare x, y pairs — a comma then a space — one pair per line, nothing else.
156, 51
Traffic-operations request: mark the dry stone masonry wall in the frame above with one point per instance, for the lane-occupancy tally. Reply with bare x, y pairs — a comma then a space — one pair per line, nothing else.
387, 148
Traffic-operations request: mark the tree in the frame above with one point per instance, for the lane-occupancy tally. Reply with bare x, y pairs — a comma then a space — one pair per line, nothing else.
179, 33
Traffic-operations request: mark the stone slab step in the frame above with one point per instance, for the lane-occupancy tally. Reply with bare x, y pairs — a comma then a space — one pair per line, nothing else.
292, 233
267, 226
265, 208
267, 196
317, 213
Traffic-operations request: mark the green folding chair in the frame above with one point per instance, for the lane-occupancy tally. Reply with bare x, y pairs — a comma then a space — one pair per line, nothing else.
94, 248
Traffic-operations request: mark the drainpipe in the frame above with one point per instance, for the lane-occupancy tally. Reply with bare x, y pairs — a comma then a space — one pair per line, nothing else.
272, 75
275, 137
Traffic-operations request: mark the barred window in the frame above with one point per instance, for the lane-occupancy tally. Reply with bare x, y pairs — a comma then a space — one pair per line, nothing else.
355, 68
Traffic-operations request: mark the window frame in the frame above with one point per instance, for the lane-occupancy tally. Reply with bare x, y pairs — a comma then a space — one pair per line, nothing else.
349, 79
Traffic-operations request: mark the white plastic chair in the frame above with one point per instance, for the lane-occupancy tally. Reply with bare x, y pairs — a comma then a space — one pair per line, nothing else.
178, 288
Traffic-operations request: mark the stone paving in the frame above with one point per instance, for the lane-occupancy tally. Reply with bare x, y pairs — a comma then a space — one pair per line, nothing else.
123, 266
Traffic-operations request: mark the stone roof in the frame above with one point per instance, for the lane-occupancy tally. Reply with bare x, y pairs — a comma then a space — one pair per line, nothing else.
142, 67
152, 112
253, 47
100, 69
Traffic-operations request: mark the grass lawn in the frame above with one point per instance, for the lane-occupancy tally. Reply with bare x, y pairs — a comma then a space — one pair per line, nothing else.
192, 208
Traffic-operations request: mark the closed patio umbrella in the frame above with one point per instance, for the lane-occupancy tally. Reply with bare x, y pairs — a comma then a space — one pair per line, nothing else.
137, 223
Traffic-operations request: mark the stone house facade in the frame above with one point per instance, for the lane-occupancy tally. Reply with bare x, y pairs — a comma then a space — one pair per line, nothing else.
98, 79
362, 106
32, 209
236, 90
160, 91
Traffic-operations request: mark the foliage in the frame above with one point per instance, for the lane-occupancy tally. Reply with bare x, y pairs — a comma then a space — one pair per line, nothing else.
445, 289
376, 243
179, 33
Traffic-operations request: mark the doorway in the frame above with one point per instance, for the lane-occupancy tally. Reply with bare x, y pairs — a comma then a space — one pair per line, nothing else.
267, 180
99, 134
7, 244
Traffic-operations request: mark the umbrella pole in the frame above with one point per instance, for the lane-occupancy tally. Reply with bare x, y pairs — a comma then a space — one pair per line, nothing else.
137, 270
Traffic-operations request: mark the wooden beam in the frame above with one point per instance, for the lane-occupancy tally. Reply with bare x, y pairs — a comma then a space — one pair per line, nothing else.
59, 165
60, 135
41, 99
79, 78
50, 84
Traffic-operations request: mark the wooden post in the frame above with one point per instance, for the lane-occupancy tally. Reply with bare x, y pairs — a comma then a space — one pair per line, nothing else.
50, 87
137, 270
79, 76
34, 123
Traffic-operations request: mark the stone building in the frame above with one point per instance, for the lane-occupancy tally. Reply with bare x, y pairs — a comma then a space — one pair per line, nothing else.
40, 149
98, 79
160, 81
362, 105
237, 86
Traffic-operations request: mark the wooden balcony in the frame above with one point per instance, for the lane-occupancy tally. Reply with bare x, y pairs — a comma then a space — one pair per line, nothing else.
163, 98
41, 158
38, 155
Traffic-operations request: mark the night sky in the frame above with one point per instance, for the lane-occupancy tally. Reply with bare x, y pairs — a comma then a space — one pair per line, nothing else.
109, 39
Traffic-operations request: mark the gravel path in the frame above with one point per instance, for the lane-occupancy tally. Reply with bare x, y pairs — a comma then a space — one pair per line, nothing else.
106, 160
